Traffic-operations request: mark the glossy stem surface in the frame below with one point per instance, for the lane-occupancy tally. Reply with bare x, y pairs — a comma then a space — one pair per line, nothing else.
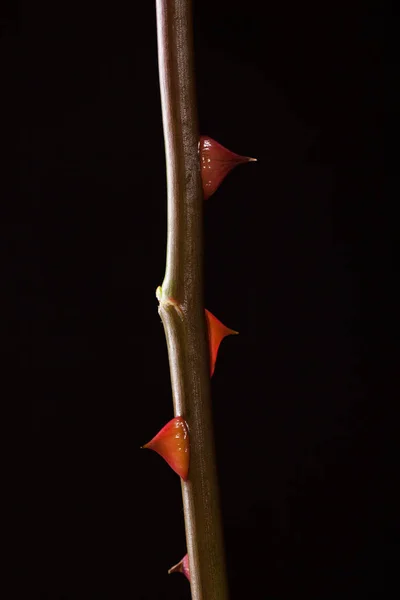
181, 298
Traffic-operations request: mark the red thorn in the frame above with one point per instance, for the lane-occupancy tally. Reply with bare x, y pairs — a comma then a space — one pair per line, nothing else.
172, 443
181, 567
216, 333
216, 162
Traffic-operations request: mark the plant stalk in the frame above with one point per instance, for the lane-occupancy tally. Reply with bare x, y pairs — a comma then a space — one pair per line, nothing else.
180, 298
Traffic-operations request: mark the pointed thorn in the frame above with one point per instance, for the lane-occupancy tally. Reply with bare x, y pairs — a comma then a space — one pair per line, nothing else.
216, 162
172, 443
217, 331
181, 567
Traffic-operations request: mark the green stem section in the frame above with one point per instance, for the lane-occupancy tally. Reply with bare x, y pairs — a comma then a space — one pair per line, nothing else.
181, 299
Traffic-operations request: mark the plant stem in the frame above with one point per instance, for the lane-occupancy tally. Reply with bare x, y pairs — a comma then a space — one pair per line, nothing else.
181, 298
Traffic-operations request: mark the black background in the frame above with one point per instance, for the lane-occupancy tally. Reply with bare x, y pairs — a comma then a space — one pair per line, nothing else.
287, 252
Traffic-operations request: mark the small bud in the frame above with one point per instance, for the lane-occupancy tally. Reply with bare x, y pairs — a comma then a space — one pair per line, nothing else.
172, 443
181, 567
216, 162
216, 333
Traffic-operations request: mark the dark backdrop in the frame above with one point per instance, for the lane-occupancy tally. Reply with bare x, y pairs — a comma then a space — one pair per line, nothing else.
286, 255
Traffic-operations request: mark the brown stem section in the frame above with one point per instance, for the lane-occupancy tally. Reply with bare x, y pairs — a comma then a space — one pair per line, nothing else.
181, 298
